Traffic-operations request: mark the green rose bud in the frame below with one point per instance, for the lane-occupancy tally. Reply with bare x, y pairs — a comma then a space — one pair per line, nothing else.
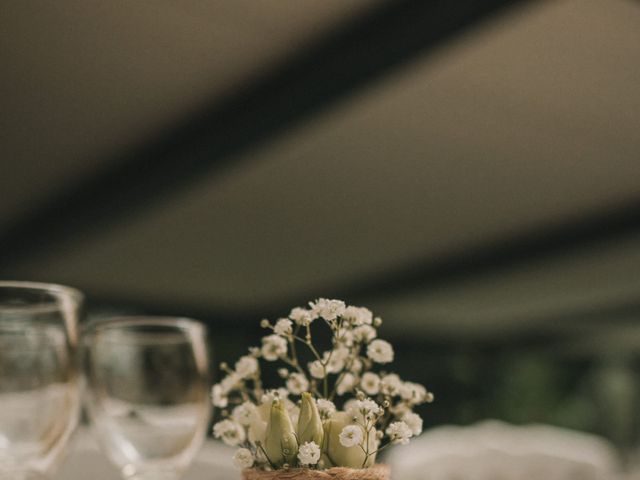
280, 444
335, 454
309, 424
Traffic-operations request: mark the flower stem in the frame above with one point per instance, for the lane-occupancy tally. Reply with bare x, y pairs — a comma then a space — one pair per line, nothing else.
259, 445
380, 449
325, 382
366, 453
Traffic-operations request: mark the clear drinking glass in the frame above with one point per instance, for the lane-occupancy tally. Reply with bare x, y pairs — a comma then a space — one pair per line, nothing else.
39, 388
148, 393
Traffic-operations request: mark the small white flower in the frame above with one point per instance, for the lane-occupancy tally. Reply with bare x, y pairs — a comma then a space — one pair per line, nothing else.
370, 383
301, 316
219, 398
276, 394
230, 382
358, 316
273, 347
336, 359
351, 406
390, 384
368, 406
246, 366
283, 327
327, 309
356, 365
230, 432
400, 409
220, 391
351, 435
380, 351
364, 333
363, 410
243, 458
254, 352
244, 413
326, 408
399, 432
316, 369
297, 383
414, 393
309, 453
347, 383
346, 338
414, 422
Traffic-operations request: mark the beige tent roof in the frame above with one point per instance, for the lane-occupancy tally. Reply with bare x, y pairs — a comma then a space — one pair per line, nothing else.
486, 186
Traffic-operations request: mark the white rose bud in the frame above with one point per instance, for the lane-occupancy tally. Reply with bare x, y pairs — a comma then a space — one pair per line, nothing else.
341, 456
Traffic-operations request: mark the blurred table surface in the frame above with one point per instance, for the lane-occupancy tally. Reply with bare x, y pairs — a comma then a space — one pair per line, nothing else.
425, 458
494, 450
85, 460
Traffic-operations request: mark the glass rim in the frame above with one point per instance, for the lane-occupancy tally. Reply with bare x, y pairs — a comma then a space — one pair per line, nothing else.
55, 289
185, 324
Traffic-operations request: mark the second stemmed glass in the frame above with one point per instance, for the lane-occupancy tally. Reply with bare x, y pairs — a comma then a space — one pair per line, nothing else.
148, 393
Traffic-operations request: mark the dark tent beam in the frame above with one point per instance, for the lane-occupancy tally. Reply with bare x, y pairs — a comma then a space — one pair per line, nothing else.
610, 224
541, 244
364, 51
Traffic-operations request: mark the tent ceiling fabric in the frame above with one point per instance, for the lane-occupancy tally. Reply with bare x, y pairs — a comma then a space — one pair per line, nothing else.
523, 124
559, 294
84, 80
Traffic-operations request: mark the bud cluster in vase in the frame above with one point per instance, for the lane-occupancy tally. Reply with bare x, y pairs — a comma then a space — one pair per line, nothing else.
339, 407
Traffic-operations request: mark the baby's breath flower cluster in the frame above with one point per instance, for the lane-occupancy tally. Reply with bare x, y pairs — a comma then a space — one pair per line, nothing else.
299, 424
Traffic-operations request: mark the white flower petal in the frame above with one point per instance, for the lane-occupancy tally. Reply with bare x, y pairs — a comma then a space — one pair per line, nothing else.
351, 435
380, 351
390, 384
218, 396
301, 316
283, 327
309, 453
243, 458
327, 309
229, 431
273, 347
246, 366
399, 432
347, 383
370, 383
326, 408
243, 413
316, 369
414, 422
297, 383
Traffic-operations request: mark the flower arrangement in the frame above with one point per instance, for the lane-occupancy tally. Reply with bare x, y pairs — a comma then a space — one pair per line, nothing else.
300, 425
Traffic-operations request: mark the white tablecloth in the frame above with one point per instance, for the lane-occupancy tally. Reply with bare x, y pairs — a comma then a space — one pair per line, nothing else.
85, 461
489, 450
494, 450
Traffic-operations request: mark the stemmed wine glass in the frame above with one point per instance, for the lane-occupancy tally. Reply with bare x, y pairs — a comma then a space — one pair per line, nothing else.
148, 393
39, 388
